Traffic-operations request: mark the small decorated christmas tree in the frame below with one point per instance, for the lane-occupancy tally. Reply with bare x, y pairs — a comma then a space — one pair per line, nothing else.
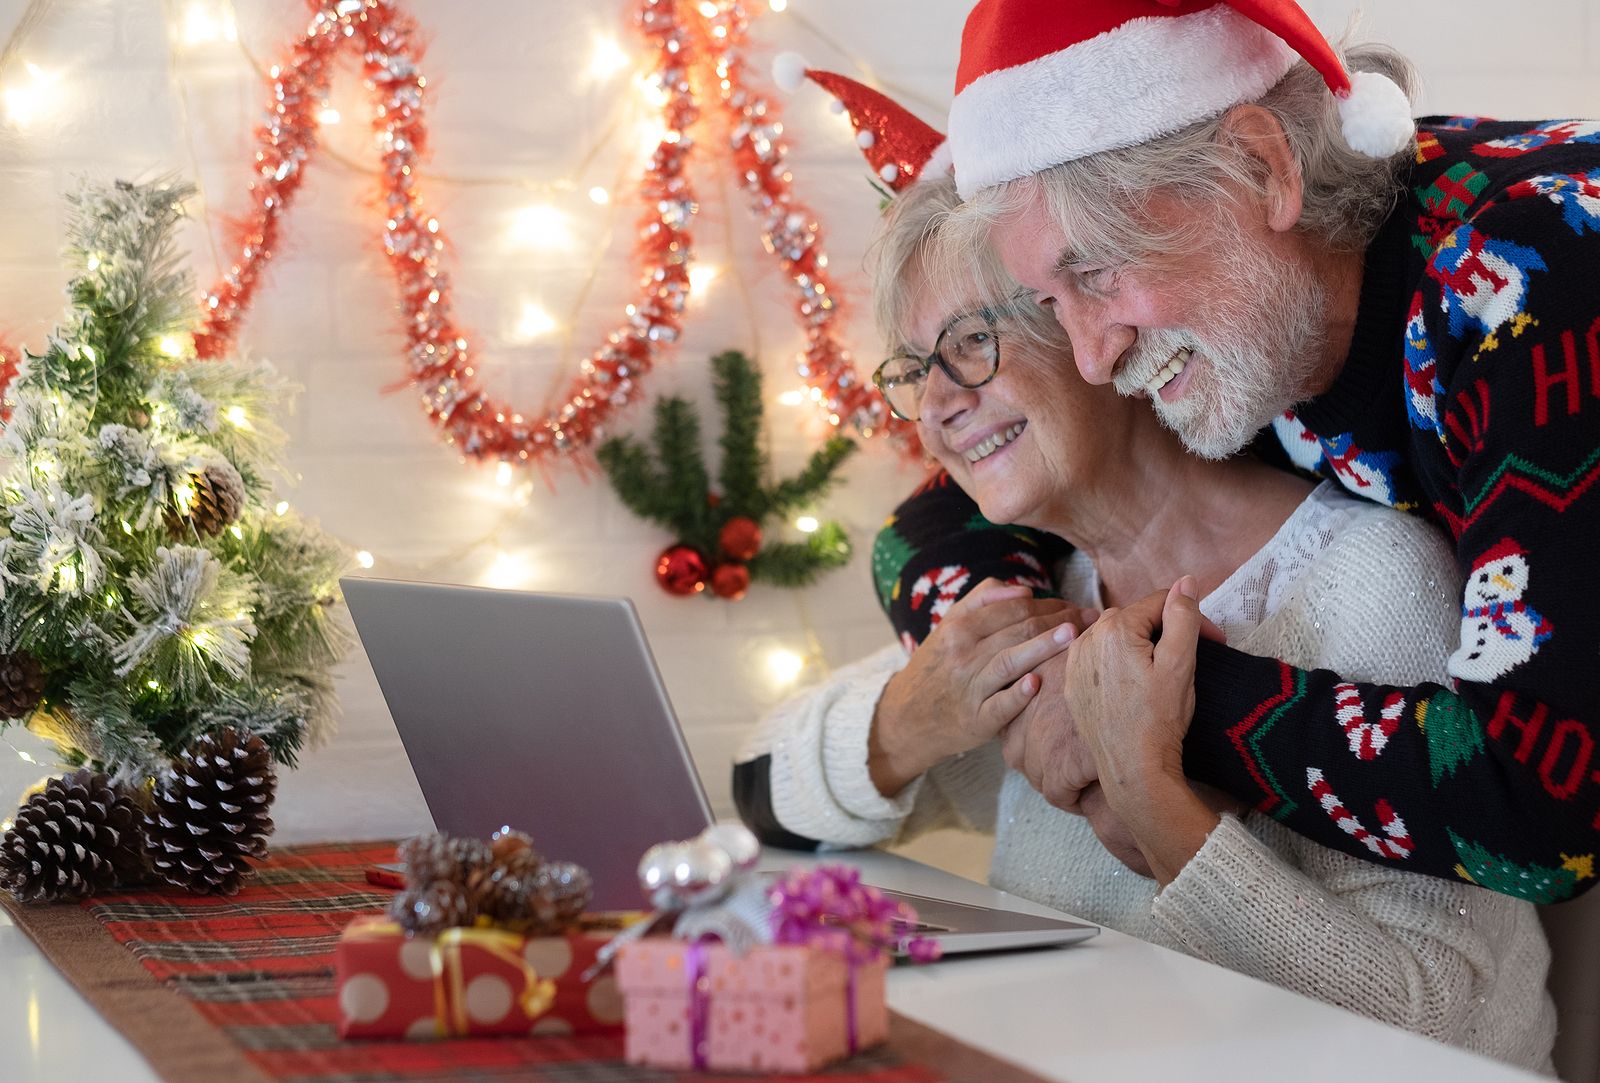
152, 591
719, 534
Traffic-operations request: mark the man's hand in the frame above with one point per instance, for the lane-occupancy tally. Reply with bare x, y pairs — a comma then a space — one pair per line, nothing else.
970, 677
1130, 686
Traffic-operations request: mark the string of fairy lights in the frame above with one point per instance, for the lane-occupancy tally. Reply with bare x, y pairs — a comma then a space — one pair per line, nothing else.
33, 93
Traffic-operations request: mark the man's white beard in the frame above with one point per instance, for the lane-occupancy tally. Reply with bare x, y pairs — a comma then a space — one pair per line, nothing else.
1256, 366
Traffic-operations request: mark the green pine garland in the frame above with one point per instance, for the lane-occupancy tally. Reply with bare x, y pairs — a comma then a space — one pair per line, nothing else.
673, 487
150, 630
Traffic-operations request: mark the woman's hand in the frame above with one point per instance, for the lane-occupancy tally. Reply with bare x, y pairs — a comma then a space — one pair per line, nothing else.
967, 681
1130, 693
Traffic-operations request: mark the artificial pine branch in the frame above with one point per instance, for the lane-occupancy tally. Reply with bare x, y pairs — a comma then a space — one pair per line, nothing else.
796, 564
812, 482
683, 469
638, 484
738, 387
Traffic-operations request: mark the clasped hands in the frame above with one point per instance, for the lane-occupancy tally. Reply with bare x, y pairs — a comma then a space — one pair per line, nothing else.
1092, 709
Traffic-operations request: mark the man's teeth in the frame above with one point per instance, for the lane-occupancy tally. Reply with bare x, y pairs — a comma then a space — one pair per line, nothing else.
1170, 372
988, 447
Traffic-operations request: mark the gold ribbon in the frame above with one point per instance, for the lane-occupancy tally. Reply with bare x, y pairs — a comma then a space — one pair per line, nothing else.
449, 980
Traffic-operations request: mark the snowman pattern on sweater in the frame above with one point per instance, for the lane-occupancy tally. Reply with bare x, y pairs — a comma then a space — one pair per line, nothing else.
1499, 629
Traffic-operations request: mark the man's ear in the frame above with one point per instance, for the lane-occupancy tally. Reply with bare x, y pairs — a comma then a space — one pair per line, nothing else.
1260, 136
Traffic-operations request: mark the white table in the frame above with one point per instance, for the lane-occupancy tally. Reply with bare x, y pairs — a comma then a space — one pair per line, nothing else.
1110, 1009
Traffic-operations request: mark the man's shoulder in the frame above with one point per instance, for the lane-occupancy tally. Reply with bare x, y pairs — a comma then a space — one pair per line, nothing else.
1464, 165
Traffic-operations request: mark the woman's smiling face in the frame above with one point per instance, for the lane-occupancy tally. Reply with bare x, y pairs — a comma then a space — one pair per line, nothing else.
1020, 443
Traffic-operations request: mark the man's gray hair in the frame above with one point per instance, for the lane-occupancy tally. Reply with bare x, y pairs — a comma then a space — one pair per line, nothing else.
1098, 200
905, 264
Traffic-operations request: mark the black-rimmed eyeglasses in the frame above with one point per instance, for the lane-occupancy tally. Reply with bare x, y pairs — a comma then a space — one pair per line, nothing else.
967, 351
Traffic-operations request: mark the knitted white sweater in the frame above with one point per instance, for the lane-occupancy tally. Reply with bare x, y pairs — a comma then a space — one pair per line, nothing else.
1344, 585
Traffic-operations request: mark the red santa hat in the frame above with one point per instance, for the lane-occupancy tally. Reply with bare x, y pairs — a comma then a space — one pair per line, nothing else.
1503, 549
1042, 82
899, 146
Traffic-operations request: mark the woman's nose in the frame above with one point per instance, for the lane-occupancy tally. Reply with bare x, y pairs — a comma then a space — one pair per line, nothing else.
943, 400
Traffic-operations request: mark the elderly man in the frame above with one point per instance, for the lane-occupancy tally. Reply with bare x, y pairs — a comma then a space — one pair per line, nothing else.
1226, 222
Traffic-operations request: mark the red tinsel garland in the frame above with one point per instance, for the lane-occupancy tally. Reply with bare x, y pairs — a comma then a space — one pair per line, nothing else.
685, 45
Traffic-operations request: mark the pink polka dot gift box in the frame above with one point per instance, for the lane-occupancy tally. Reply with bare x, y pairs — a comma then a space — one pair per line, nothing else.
480, 982
779, 1008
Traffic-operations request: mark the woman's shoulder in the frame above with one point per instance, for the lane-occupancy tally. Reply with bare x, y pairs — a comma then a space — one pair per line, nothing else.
1359, 533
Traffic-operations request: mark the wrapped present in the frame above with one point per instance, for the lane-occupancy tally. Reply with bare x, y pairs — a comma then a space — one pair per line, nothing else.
781, 979
778, 1008
472, 981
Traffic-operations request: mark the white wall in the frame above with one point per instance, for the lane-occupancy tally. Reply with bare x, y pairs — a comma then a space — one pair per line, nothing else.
510, 103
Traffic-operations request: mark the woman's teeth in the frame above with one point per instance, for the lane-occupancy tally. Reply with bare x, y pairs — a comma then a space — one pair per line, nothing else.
988, 447
1167, 374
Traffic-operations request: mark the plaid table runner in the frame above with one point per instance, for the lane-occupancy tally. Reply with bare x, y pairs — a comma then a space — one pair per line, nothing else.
242, 988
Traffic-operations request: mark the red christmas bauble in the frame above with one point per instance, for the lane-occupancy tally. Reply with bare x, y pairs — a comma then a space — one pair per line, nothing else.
681, 570
730, 581
740, 538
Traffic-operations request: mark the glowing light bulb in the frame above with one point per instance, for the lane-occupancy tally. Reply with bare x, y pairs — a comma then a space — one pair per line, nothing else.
93, 263
237, 417
785, 666
237, 531
183, 493
282, 508
170, 345
154, 686
708, 9
88, 351
32, 100
539, 226
202, 25
127, 527
599, 196
791, 398
502, 474
607, 59
67, 579
700, 278
806, 524
364, 559
506, 571
534, 322
778, 5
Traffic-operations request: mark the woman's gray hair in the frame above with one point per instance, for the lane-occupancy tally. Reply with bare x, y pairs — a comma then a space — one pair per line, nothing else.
907, 261
1098, 200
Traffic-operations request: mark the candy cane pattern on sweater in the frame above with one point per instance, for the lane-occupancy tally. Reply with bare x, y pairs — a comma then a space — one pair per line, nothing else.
1399, 843
945, 585
1367, 739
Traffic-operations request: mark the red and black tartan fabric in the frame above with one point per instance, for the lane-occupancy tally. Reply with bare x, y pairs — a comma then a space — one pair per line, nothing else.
259, 967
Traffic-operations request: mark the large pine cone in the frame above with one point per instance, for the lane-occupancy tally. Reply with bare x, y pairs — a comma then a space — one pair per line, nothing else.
79, 836
560, 892
219, 499
21, 684
211, 812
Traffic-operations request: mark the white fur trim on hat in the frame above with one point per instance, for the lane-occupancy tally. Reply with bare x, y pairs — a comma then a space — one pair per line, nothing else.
789, 71
1375, 116
939, 161
1147, 78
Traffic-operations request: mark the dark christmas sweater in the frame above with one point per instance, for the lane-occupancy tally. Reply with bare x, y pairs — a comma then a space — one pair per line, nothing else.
1471, 395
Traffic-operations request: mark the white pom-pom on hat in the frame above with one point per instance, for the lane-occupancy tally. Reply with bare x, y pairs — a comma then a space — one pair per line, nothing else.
1375, 115
789, 71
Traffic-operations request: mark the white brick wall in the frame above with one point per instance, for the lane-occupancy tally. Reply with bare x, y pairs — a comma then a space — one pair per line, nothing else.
510, 101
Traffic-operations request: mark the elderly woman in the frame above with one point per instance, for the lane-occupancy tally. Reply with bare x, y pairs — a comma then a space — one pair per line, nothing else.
894, 744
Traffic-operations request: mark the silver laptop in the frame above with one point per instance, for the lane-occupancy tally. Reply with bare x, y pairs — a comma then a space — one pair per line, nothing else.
546, 712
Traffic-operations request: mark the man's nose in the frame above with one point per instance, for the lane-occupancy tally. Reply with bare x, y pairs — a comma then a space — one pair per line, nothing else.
1098, 342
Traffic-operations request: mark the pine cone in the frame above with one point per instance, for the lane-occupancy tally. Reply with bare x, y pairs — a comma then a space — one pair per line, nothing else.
428, 858
21, 684
210, 813
426, 909
503, 891
561, 891
219, 498
81, 835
